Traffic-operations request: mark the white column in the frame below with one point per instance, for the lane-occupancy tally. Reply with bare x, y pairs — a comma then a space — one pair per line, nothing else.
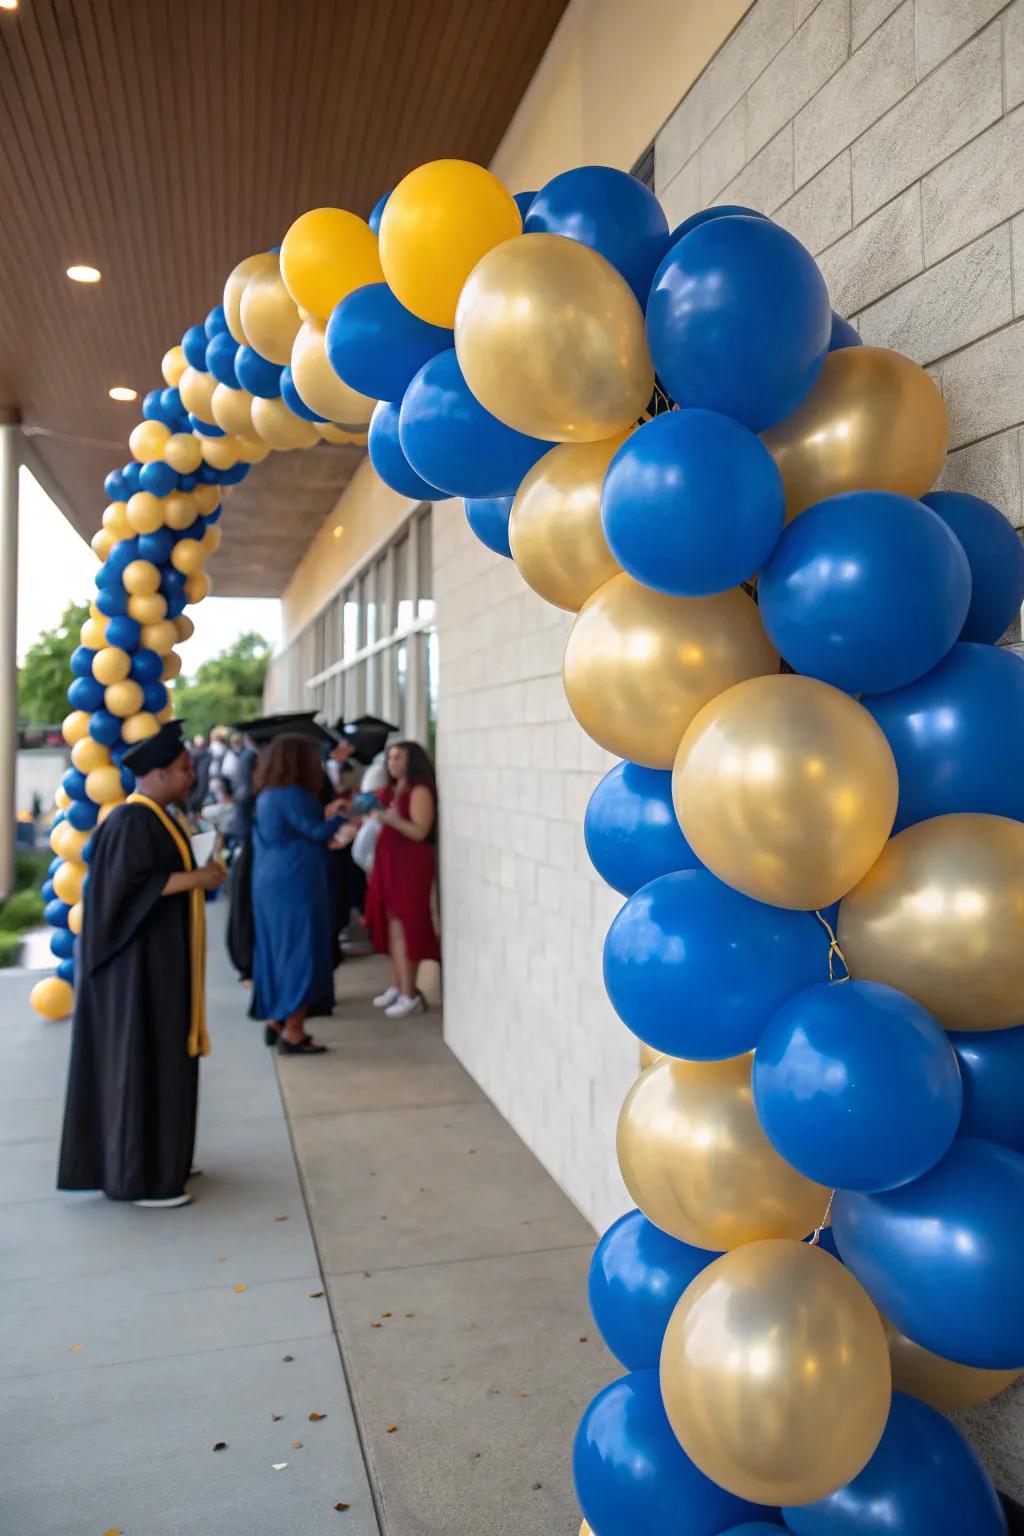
9, 461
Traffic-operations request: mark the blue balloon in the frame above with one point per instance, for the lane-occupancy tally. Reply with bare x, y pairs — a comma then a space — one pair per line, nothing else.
114, 487
867, 590
112, 600
696, 969
739, 321
151, 405
193, 344
105, 727
924, 1479
453, 443
176, 605
56, 913
376, 346
155, 697
488, 517
73, 783
843, 334
957, 735
188, 482
158, 478
127, 780
66, 970
221, 350
85, 693
122, 555
387, 458
124, 632
857, 1086
130, 476
632, 1476
631, 830
156, 547
293, 400
83, 815
216, 323
174, 411
56, 862
172, 581
610, 211
637, 1275
89, 849
81, 661
257, 374
376, 211
106, 576
62, 944
665, 494
753, 1528
212, 517
722, 211
522, 201
992, 1068
941, 1256
996, 557
205, 428
235, 475
47, 891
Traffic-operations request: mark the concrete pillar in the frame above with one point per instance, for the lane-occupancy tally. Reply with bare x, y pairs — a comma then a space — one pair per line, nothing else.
9, 462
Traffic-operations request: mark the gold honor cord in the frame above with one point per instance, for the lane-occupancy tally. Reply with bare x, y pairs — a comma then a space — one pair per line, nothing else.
198, 1039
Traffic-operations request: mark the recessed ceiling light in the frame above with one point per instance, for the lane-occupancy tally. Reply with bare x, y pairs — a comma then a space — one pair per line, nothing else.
81, 274
122, 392
8, 5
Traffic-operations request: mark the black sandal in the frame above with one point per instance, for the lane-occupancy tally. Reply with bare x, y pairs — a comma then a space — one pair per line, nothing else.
307, 1046
271, 1036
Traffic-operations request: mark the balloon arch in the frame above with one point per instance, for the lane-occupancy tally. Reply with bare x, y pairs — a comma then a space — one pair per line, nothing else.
673, 436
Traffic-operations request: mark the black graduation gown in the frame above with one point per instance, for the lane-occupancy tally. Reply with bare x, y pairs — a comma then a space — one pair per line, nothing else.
241, 936
130, 1115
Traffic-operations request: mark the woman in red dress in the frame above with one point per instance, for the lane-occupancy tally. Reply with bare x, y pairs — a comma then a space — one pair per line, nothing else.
398, 903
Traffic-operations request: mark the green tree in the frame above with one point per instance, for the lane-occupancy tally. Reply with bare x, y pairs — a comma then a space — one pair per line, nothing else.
46, 671
225, 689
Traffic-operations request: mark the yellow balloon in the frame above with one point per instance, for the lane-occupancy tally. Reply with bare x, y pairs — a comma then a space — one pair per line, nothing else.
94, 612
68, 842
141, 577
332, 433
165, 714
67, 882
437, 224
76, 725
196, 390
173, 366
319, 386
280, 428
551, 340
232, 410
555, 529
111, 665
101, 543
75, 917
138, 727
88, 754
123, 699
775, 1373
172, 667
263, 261
148, 608
93, 633
269, 316
326, 254
148, 441
206, 498
188, 556
105, 810
61, 800
220, 452
180, 509
52, 998
184, 628
159, 637
640, 664
145, 512
647, 1056
198, 587
873, 421
943, 1384
184, 453
941, 917
115, 518
211, 540
250, 452
697, 1163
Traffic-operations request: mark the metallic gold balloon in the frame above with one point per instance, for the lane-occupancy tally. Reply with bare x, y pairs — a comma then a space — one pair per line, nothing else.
75, 917
941, 916
196, 391
263, 261
88, 754
775, 1373
115, 520
874, 421
173, 365
269, 316
648, 1056
155, 637
139, 727
640, 664
697, 1163
279, 427
944, 1384
232, 411
184, 627
555, 526
551, 340
786, 789
147, 608
319, 385
172, 667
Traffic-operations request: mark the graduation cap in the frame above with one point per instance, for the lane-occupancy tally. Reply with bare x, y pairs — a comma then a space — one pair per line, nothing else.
366, 735
301, 723
157, 751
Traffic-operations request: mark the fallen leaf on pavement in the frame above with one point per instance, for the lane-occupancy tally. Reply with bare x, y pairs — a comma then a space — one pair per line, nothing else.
315, 1418
280, 1218
223, 1259
238, 1289
385, 1314
392, 1428
288, 1359
296, 1445
376, 1325
315, 1295
340, 1505
75, 1349
277, 1416
115, 1530
221, 1445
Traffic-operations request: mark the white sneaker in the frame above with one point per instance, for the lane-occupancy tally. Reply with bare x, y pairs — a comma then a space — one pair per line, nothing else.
404, 1007
162, 1205
387, 998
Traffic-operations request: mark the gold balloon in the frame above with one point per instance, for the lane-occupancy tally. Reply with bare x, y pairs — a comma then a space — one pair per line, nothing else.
93, 633
52, 998
874, 421
640, 664
158, 637
280, 428
326, 254
188, 556
551, 340
198, 587
148, 441
68, 881
88, 754
147, 608
173, 365
102, 542
221, 452
269, 316
332, 433
75, 917
250, 451
775, 1373
137, 727
145, 512
115, 519
941, 917
697, 1163
123, 699
184, 628
172, 667
205, 498
141, 577
648, 1056
238, 277
180, 510
786, 789
319, 386
555, 529
184, 452
232, 411
943, 1384
211, 540
111, 665
196, 390
76, 725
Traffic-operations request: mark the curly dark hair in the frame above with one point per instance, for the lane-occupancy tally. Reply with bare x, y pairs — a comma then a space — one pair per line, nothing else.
289, 760
420, 769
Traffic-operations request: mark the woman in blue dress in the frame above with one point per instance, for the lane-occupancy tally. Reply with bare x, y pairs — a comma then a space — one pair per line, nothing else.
291, 899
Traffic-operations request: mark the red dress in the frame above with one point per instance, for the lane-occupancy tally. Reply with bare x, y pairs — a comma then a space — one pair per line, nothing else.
401, 883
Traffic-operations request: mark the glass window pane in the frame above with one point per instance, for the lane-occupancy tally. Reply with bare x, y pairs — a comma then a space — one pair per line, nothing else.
433, 679
372, 605
401, 676
350, 624
404, 578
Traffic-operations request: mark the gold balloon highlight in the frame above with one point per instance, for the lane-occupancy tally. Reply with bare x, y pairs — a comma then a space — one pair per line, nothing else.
52, 998
326, 254
555, 529
269, 316
943, 1384
551, 340
319, 385
232, 411
873, 421
941, 917
786, 789
640, 664
697, 1163
775, 1373
196, 390
238, 277
280, 428
173, 365
647, 1056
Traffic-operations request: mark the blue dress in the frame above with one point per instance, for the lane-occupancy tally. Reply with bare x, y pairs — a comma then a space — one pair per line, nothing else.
291, 903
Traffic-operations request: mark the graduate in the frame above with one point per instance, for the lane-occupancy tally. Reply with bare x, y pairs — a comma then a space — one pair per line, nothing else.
140, 1026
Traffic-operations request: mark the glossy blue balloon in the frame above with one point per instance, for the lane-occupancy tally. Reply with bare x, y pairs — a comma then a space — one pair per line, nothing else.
992, 1069
455, 444
81, 661
957, 735
843, 334
631, 830
187, 482
692, 503
722, 211
112, 600
755, 1528
130, 476
113, 486
124, 632
121, 555
66, 971
387, 458
235, 475
176, 605
867, 591
83, 815
376, 346
151, 409
172, 581
293, 400
221, 350
941, 1256
105, 727
257, 374
205, 428
632, 1476
376, 211
996, 556
696, 969
522, 201
637, 1275
738, 320
488, 518
193, 344
106, 576
857, 1086
73, 784
56, 862
156, 547
56, 913
923, 1480
612, 212
174, 411
47, 891
155, 697
62, 944
215, 323
85, 693
158, 478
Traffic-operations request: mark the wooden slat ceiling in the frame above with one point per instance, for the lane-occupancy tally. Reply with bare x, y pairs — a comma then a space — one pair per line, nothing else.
163, 140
